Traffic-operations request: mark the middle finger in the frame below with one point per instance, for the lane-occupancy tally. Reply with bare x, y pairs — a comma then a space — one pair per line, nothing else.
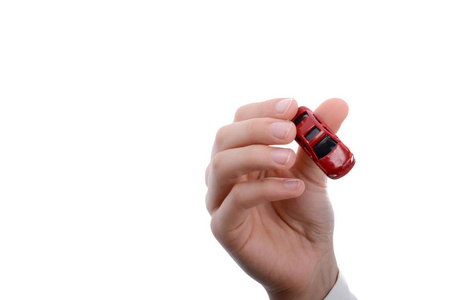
265, 131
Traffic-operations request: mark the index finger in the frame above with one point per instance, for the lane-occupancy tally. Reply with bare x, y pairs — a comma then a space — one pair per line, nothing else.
279, 108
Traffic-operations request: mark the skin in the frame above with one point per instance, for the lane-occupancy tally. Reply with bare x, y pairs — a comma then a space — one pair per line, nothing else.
269, 205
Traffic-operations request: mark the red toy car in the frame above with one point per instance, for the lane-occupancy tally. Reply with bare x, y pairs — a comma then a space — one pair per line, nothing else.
322, 144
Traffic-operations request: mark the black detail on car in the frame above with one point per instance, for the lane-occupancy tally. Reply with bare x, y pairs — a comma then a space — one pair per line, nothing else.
324, 147
300, 118
312, 133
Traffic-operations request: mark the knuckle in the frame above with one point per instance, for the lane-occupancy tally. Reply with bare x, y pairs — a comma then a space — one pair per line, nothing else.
207, 175
216, 228
211, 205
237, 193
265, 187
266, 190
220, 136
252, 127
245, 196
262, 109
239, 114
208, 202
259, 130
216, 163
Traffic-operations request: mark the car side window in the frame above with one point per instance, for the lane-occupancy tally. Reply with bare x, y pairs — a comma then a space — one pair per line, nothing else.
324, 146
312, 133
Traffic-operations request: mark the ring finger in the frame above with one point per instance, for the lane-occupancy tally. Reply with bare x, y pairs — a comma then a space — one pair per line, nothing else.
228, 165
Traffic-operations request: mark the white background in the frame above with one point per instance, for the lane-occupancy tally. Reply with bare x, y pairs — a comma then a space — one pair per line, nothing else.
108, 110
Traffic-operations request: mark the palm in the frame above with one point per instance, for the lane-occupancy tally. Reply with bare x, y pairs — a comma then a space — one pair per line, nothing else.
279, 242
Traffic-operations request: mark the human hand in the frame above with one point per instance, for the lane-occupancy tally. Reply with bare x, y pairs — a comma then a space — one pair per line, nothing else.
269, 206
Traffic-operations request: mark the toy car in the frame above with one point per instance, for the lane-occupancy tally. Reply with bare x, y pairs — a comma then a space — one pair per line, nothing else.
322, 144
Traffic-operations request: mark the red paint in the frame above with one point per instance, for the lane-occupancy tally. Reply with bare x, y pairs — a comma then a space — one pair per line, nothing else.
322, 144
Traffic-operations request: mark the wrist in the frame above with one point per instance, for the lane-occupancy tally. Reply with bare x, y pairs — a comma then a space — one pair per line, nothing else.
323, 278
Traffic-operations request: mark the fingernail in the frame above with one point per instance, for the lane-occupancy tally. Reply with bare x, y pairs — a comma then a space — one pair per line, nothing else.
280, 129
280, 156
283, 105
291, 184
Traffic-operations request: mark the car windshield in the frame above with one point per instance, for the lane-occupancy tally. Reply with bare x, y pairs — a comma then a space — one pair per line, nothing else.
324, 147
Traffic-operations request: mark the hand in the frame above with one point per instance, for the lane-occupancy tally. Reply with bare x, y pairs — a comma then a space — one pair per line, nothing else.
269, 206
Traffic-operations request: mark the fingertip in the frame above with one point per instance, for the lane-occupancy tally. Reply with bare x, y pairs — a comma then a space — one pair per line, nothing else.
339, 105
294, 185
292, 133
333, 111
292, 110
286, 108
283, 158
279, 108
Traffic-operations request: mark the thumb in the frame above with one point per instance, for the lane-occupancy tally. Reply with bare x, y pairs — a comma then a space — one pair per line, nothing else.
333, 112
